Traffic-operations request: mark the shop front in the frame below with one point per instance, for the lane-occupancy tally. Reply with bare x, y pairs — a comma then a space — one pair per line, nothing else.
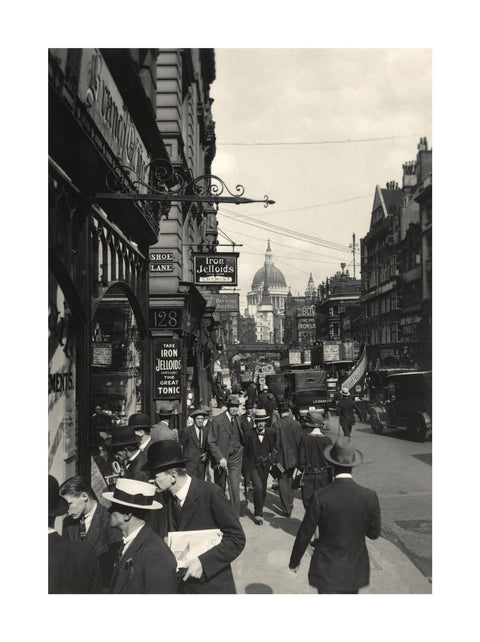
99, 343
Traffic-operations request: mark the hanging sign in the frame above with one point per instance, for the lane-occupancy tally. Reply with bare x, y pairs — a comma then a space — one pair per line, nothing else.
167, 369
215, 269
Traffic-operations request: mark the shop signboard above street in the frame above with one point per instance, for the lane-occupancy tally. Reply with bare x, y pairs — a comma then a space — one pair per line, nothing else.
215, 269
100, 95
167, 369
224, 301
161, 262
295, 357
331, 351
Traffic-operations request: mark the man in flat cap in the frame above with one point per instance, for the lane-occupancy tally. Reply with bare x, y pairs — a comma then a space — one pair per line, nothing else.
145, 563
225, 442
191, 504
345, 513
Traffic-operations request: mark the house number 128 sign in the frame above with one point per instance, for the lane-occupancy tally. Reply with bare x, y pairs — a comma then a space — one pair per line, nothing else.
166, 318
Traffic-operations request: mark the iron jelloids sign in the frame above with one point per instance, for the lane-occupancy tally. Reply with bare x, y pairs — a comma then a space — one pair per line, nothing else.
167, 369
215, 269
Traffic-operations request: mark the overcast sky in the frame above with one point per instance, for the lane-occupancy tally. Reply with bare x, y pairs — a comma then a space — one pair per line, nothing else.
307, 96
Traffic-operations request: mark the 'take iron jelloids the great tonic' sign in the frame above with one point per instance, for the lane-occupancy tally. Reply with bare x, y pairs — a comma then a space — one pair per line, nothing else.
167, 369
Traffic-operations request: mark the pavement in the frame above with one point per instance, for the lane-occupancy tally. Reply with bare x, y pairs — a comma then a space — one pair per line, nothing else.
263, 565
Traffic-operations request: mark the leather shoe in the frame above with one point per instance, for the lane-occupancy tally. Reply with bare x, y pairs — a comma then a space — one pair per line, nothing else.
258, 520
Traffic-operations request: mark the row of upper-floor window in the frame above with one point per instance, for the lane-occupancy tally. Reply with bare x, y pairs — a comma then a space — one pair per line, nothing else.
382, 304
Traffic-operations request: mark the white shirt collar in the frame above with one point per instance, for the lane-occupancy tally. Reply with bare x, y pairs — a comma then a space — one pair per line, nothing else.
343, 476
182, 493
89, 516
129, 539
145, 444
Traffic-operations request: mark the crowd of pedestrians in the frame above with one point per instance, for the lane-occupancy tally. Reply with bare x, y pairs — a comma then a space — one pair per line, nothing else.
152, 482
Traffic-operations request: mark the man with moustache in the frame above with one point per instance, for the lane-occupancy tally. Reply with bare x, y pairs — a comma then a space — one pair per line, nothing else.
193, 440
258, 452
225, 442
191, 504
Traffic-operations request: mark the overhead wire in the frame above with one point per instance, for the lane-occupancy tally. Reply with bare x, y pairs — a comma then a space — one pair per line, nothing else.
285, 231
319, 142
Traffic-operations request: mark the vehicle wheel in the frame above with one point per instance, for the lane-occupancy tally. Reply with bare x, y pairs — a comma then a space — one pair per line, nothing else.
417, 431
375, 423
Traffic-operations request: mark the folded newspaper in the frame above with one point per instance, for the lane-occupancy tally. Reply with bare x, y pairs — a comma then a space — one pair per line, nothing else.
186, 545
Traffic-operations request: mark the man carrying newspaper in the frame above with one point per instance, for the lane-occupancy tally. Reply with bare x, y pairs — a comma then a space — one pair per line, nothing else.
198, 521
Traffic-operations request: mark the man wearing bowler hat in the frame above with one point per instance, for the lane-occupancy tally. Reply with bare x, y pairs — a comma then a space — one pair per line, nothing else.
145, 563
162, 430
191, 504
345, 513
193, 440
140, 424
72, 566
225, 442
123, 445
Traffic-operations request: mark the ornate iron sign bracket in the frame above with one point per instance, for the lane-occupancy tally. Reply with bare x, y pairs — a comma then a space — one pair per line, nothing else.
159, 182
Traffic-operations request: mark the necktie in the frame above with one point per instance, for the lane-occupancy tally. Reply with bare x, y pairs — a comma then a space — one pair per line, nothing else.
82, 530
177, 512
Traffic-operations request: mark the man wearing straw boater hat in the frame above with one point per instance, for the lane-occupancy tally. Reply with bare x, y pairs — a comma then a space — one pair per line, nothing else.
345, 409
145, 563
258, 453
345, 513
191, 504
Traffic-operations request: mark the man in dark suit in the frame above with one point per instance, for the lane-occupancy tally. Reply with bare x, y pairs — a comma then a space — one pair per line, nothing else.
145, 563
345, 410
191, 504
225, 442
72, 566
258, 453
88, 521
288, 433
247, 427
345, 513
193, 440
140, 424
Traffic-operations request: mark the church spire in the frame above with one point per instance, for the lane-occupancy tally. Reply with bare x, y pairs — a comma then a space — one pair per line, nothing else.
268, 255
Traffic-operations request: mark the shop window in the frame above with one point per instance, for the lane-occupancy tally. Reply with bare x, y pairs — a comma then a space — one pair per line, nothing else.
116, 359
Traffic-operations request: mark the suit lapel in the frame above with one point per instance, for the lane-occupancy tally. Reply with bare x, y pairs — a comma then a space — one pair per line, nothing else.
189, 506
193, 430
95, 527
121, 572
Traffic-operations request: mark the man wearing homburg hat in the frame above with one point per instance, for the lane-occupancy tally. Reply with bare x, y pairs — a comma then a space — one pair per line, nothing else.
192, 504
145, 563
225, 442
345, 513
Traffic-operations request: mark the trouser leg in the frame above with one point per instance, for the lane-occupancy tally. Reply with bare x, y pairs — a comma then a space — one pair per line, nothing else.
234, 478
285, 490
220, 477
258, 496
